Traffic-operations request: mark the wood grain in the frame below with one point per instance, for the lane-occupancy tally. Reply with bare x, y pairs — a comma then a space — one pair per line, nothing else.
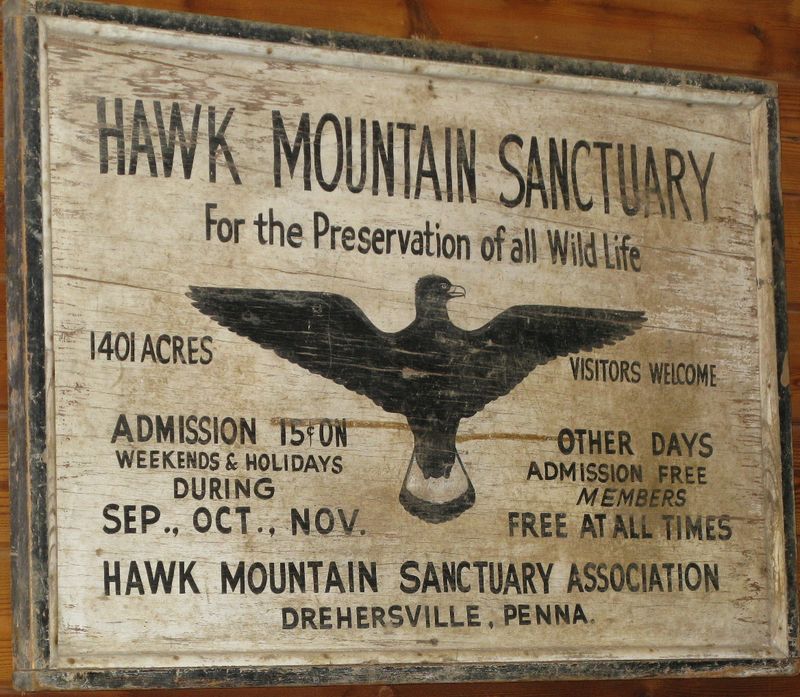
758, 39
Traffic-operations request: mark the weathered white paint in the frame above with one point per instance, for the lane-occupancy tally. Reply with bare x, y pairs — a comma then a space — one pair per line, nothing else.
124, 250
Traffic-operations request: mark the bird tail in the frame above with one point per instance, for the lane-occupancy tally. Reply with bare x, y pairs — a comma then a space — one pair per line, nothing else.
436, 499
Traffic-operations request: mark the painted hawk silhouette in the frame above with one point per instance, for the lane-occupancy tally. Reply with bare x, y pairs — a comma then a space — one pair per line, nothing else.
432, 372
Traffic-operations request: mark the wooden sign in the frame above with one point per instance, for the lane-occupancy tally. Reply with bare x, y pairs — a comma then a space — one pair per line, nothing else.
337, 359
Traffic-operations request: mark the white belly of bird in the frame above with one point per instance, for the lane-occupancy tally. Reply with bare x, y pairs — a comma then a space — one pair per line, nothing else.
437, 489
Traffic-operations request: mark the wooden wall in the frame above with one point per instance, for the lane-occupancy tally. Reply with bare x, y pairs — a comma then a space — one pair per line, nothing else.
759, 38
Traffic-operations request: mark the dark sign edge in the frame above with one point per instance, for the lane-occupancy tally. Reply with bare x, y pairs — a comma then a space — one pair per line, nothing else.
26, 331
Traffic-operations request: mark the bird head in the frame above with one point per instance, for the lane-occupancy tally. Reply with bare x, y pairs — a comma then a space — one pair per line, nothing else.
433, 292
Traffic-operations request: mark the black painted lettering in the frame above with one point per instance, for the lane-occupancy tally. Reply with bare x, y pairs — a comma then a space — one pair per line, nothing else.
217, 141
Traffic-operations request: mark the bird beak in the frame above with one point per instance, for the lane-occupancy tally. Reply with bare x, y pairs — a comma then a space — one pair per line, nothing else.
456, 292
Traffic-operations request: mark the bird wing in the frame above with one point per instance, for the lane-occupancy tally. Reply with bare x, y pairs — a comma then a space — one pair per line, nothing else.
502, 352
324, 333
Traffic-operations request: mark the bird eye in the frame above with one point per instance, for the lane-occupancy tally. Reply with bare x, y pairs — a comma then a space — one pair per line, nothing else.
443, 286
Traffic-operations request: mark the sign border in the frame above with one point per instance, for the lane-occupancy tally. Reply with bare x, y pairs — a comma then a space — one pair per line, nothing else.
28, 401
